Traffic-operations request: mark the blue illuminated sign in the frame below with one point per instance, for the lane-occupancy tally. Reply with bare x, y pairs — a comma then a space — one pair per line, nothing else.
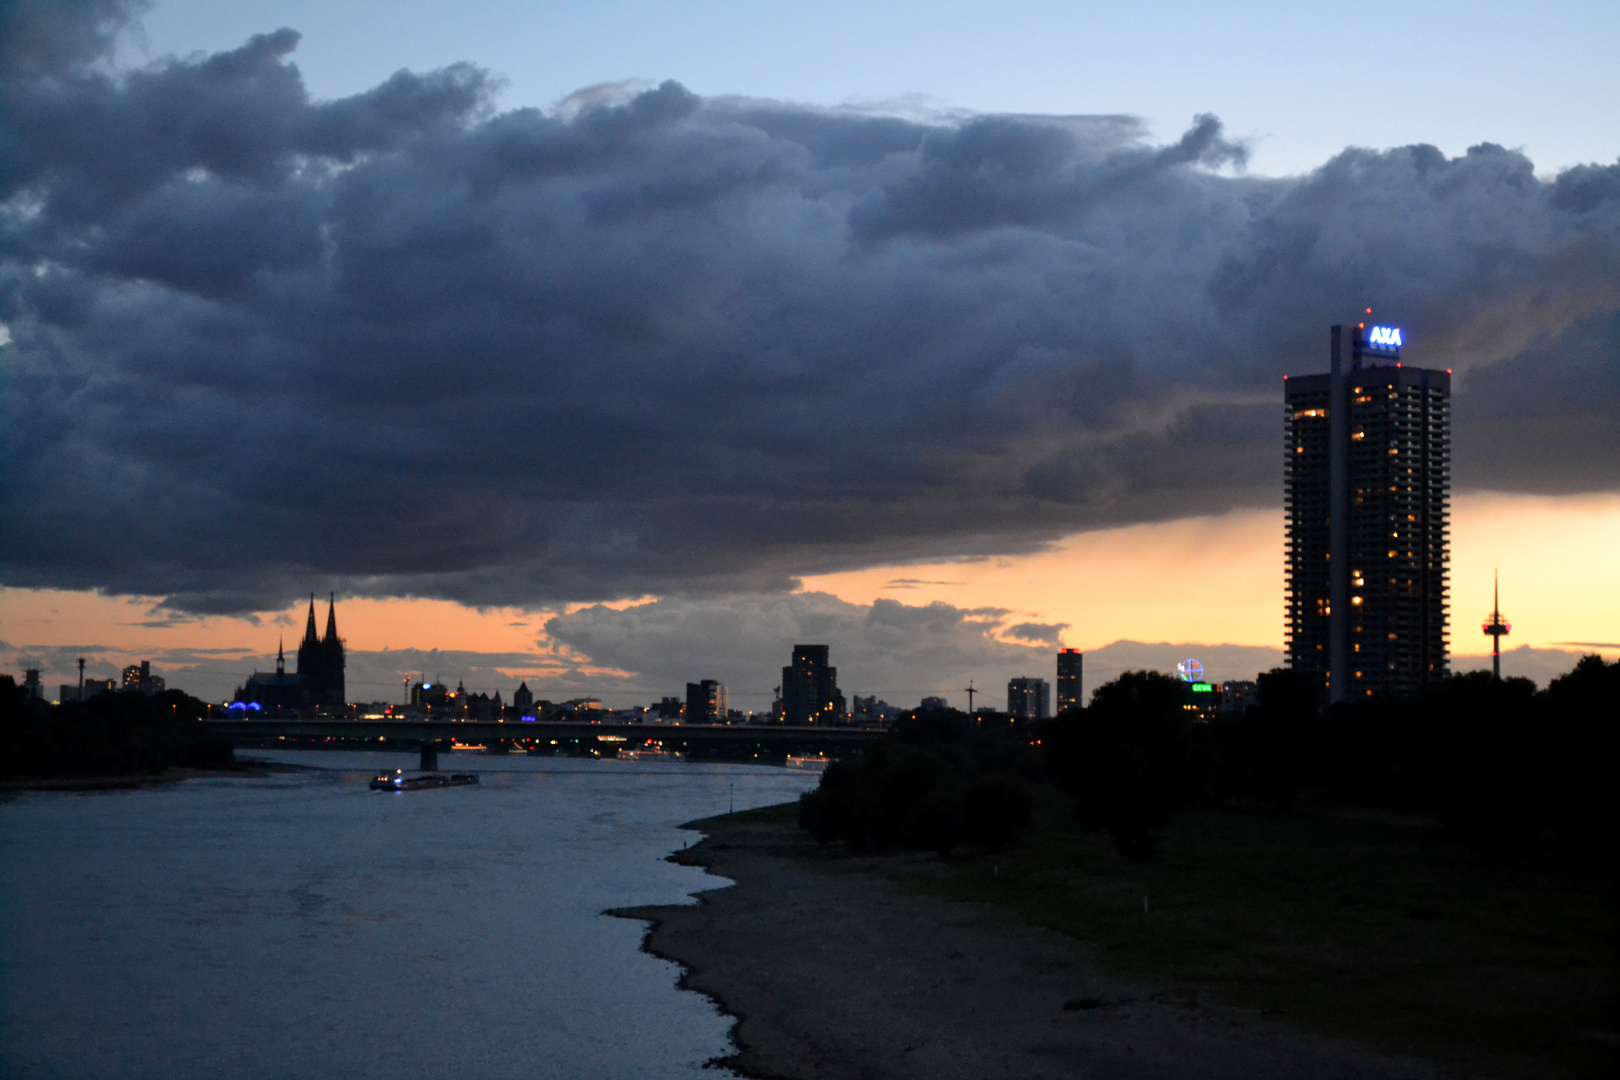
1387, 336
1190, 670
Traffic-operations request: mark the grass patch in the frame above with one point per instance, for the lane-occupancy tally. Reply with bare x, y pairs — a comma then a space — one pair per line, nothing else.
1390, 932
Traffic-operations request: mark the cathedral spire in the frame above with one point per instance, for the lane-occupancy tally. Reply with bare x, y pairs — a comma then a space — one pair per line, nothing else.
310, 637
281, 655
331, 620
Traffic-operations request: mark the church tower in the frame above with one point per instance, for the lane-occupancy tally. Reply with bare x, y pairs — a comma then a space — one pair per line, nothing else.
332, 656
309, 662
321, 661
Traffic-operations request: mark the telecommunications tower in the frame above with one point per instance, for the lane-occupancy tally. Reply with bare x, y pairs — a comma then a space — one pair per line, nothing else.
1496, 628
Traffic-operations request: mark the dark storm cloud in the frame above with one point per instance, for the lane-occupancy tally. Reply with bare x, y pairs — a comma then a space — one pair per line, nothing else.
1046, 633
652, 343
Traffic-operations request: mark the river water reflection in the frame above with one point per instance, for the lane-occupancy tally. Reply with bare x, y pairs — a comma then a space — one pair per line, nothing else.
303, 925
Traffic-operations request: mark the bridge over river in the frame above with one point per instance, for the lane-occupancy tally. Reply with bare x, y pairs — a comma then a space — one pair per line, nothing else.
432, 736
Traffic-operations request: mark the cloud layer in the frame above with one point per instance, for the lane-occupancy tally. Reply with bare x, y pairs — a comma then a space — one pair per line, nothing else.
647, 343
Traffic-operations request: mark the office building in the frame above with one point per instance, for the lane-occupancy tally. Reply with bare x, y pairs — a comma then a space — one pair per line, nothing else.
92, 687
138, 679
1238, 694
707, 702
1366, 493
871, 712
1029, 699
810, 688
1069, 665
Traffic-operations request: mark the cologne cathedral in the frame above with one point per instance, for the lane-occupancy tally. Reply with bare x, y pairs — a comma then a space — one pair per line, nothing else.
318, 681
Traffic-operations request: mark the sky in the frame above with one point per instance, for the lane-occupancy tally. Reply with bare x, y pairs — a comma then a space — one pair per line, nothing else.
611, 346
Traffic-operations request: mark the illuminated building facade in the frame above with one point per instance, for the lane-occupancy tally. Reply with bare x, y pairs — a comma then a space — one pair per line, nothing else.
138, 679
707, 702
1070, 663
810, 688
1237, 695
1029, 699
1366, 491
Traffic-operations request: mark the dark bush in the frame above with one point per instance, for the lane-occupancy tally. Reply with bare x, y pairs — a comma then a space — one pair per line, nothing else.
940, 780
1578, 725
995, 809
1125, 761
1280, 727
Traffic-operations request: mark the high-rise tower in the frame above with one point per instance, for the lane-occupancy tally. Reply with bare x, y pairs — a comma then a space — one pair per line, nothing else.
1367, 484
1070, 665
810, 688
1029, 699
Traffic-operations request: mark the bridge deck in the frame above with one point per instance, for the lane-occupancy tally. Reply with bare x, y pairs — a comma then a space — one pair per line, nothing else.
479, 731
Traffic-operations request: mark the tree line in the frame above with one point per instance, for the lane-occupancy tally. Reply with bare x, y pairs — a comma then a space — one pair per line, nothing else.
1505, 767
112, 734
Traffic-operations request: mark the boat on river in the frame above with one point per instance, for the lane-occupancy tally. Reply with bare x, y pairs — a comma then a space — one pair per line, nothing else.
398, 781
650, 753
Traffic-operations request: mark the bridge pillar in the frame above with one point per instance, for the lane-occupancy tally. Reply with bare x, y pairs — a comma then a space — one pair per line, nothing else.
430, 756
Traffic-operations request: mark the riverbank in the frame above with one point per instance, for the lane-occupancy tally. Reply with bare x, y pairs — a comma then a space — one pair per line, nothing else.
839, 968
241, 769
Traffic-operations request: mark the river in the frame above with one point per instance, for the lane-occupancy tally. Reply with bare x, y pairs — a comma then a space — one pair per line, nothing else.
301, 925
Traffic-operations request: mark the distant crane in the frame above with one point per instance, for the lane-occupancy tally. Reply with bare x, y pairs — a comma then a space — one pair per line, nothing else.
1496, 628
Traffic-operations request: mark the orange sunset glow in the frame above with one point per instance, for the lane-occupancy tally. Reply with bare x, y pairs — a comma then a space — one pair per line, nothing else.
1205, 579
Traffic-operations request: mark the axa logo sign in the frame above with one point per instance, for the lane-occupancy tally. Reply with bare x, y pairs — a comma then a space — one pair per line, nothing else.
1387, 336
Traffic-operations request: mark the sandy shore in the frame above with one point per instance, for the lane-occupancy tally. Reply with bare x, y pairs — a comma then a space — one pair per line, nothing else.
833, 970
245, 768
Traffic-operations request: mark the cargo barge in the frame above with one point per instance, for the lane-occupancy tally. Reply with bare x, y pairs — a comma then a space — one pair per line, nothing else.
398, 781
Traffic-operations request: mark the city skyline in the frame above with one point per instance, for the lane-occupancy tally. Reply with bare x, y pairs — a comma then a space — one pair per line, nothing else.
997, 381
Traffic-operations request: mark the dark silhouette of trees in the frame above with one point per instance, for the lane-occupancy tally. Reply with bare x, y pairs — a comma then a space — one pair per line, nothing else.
1125, 761
1478, 763
995, 809
1580, 730
940, 780
111, 734
1280, 727
1504, 768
